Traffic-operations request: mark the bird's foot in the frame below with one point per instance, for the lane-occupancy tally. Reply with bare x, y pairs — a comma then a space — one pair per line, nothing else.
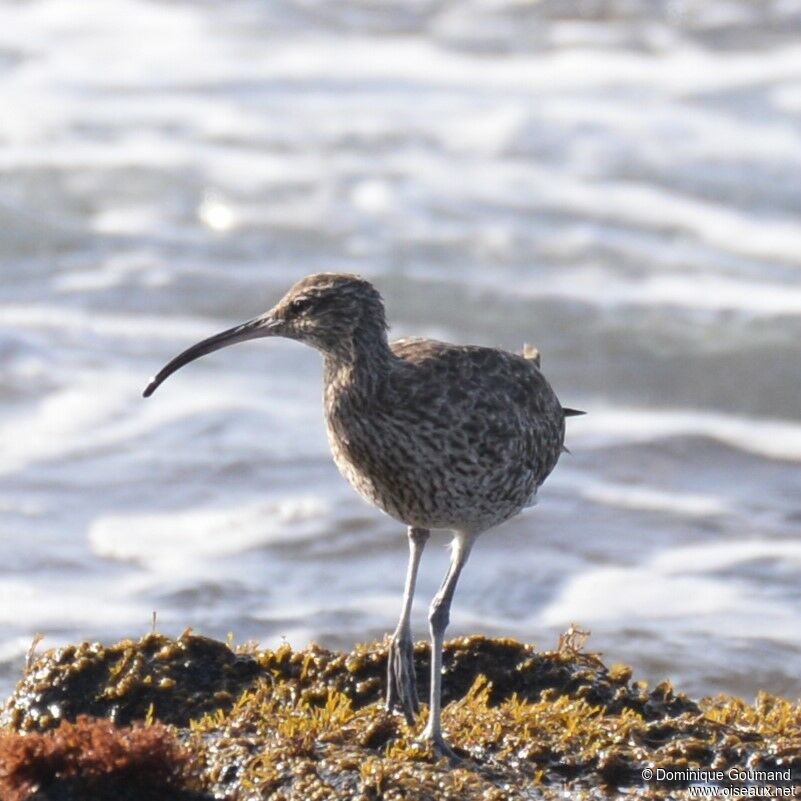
437, 743
401, 684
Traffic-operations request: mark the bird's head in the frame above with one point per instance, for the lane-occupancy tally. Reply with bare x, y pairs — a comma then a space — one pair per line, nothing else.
332, 312
328, 311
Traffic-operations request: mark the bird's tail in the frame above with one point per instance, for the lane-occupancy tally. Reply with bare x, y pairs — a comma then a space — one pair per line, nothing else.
531, 353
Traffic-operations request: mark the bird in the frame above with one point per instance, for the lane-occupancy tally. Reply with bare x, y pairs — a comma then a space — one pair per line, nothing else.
436, 435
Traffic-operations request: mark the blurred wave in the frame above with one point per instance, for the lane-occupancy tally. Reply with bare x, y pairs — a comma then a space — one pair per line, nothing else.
615, 181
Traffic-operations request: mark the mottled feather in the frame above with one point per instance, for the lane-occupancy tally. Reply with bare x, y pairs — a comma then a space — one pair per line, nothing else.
453, 436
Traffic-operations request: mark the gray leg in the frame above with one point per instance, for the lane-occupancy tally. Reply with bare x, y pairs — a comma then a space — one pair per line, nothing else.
439, 616
401, 689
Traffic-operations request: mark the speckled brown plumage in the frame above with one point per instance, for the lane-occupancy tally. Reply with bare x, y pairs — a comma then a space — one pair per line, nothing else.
452, 437
436, 435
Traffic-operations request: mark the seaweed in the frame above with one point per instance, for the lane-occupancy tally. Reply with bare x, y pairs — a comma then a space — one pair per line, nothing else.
179, 678
94, 759
310, 724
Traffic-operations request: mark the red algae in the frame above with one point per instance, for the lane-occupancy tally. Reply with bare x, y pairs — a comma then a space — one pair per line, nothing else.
94, 759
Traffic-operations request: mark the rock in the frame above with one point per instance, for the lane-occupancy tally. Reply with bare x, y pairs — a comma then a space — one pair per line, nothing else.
286, 724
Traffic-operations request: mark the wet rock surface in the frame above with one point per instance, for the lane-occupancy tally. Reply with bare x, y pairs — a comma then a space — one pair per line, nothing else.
310, 724
175, 680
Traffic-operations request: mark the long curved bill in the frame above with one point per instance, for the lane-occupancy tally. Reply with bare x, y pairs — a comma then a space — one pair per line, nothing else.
263, 326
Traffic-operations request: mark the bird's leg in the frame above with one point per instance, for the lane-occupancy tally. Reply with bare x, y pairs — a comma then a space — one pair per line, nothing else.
439, 616
401, 687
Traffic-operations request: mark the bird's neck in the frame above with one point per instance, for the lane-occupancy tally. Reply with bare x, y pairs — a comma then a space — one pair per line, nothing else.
359, 367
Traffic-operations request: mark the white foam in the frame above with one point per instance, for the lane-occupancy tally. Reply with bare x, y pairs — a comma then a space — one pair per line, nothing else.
18, 506
163, 43
615, 593
683, 70
165, 539
716, 556
127, 220
664, 123
80, 419
726, 228
606, 426
102, 324
31, 606
14, 648
534, 188
103, 33
381, 606
706, 292
112, 274
653, 499
61, 423
677, 585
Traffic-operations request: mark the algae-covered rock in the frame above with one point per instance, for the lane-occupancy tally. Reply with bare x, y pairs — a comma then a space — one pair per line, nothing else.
172, 680
310, 724
510, 667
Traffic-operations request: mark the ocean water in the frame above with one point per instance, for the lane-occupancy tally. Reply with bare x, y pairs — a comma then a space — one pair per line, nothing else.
617, 182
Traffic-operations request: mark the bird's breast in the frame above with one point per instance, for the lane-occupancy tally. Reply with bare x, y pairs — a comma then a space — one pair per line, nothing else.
432, 469
359, 451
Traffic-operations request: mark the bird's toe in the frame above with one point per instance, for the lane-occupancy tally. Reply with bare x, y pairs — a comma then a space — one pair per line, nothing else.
440, 747
401, 685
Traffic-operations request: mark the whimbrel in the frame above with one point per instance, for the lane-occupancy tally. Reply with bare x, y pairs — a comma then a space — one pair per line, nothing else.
438, 436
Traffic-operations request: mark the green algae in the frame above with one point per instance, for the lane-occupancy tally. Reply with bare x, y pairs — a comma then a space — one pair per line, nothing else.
310, 724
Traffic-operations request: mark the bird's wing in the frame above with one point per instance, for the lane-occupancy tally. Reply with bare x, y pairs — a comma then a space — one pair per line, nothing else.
491, 376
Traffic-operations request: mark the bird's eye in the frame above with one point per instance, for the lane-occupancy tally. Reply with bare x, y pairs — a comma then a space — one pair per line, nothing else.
300, 305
